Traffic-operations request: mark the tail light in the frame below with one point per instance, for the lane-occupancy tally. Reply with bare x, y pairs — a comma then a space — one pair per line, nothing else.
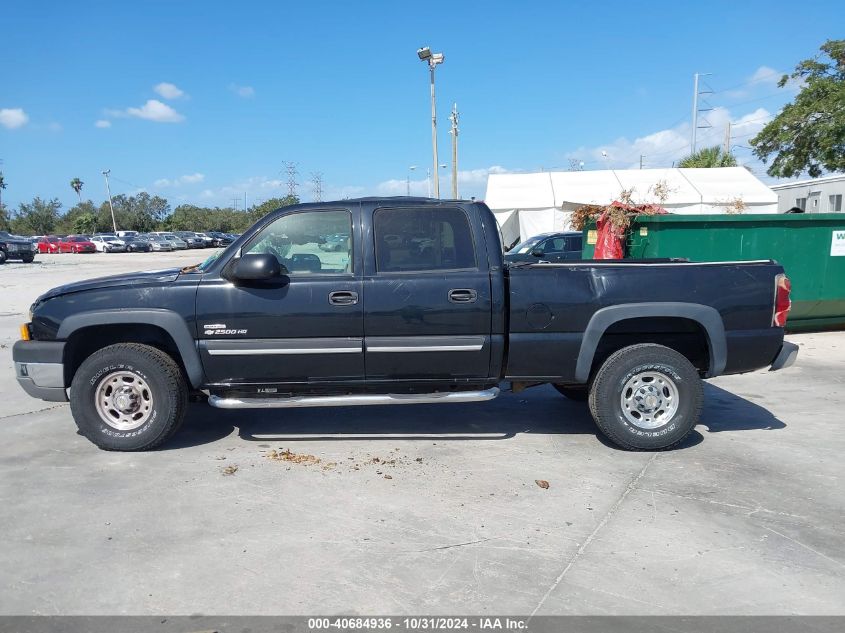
782, 300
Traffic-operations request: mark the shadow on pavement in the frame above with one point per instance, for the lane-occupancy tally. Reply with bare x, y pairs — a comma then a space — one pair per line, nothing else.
725, 411
538, 410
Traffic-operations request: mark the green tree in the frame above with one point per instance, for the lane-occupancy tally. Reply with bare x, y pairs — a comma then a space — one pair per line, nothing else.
76, 185
5, 220
38, 217
808, 134
81, 218
141, 212
708, 157
2, 187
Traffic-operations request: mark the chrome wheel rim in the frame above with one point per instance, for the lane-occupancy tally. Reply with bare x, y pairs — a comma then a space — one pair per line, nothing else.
649, 399
124, 400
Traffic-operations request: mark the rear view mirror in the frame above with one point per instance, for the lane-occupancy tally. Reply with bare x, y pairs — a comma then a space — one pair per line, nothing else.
257, 267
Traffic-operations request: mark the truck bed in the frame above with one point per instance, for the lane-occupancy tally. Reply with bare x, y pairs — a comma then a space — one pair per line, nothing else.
555, 308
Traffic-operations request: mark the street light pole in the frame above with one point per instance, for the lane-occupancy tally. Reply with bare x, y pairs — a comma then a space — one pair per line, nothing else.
433, 59
111, 206
408, 180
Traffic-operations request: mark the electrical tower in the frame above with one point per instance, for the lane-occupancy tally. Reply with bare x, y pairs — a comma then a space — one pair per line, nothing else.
576, 164
290, 170
317, 185
696, 108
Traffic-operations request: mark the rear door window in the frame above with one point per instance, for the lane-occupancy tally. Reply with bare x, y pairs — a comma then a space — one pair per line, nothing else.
422, 239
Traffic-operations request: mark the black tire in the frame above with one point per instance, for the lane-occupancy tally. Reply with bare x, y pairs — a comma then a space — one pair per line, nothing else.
646, 366
28, 259
152, 368
2, 256
578, 393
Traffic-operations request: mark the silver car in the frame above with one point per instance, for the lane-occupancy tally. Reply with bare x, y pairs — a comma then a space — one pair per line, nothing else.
159, 243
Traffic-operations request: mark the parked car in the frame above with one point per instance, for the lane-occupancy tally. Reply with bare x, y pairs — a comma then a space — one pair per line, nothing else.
48, 244
16, 247
190, 238
158, 243
108, 243
275, 323
208, 241
547, 247
177, 242
123, 234
336, 242
222, 239
77, 244
137, 244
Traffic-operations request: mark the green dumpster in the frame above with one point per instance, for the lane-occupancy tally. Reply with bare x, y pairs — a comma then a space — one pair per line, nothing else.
811, 247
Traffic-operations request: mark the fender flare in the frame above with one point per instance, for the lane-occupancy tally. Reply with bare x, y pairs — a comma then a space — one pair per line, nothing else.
707, 317
169, 321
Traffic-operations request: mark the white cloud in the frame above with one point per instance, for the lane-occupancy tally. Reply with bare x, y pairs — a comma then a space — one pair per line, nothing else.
168, 90
471, 182
155, 110
662, 148
13, 118
247, 92
187, 179
102, 123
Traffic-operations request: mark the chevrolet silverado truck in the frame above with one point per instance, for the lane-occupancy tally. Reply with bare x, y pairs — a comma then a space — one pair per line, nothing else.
417, 306
12, 247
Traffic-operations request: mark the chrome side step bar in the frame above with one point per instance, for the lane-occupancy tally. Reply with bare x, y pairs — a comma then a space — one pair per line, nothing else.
353, 400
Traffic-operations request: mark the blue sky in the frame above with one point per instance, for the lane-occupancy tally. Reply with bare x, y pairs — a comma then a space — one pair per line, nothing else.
337, 87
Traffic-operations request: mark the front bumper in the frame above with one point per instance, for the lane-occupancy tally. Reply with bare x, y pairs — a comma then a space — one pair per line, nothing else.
39, 369
786, 356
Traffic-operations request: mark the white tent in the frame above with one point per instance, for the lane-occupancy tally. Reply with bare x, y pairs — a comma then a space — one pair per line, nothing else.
528, 204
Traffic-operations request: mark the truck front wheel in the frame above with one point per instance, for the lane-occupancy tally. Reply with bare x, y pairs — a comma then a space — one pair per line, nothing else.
646, 397
128, 397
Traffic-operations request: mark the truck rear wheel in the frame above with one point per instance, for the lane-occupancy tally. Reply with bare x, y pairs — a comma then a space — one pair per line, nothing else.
128, 397
646, 397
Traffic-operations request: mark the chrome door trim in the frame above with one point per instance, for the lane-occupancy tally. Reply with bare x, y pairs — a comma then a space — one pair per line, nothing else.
281, 346
403, 344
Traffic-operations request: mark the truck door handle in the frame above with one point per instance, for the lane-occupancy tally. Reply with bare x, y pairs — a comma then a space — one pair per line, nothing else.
463, 295
343, 298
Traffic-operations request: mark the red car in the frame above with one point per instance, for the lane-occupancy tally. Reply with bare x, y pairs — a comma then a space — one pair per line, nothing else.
48, 244
77, 244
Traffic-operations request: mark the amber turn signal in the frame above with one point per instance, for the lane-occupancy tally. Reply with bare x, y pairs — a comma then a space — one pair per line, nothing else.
25, 331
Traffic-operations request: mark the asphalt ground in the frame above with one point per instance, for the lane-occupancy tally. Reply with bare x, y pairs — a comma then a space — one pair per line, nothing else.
429, 509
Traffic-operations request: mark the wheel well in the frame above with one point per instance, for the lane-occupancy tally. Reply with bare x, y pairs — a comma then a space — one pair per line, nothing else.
685, 336
85, 341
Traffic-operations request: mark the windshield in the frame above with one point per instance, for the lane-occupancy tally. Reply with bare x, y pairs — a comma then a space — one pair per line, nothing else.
526, 246
201, 268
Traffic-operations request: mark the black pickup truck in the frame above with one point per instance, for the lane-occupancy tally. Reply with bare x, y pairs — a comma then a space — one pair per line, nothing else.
418, 306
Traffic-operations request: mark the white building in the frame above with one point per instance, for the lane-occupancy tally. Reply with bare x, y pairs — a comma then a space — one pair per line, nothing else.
820, 195
528, 204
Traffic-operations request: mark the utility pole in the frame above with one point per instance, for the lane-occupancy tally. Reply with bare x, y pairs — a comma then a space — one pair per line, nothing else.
111, 206
246, 207
727, 147
641, 161
696, 110
454, 132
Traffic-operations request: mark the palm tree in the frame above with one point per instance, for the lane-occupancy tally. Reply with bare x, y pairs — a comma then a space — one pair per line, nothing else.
76, 185
709, 157
2, 187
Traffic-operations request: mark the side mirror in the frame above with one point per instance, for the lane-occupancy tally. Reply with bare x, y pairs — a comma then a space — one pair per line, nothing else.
257, 267
537, 252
